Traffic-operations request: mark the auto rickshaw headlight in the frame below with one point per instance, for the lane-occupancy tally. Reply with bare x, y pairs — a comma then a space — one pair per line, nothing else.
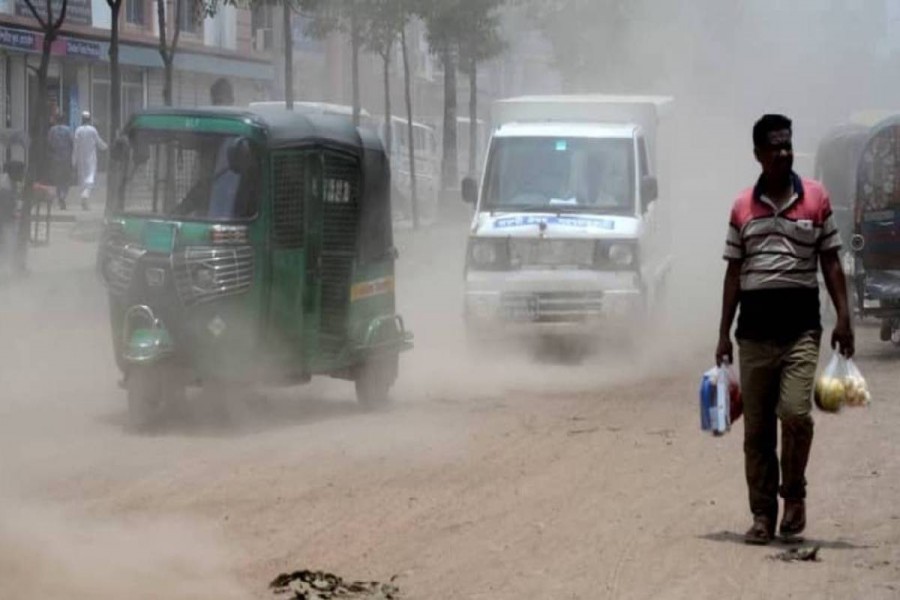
203, 278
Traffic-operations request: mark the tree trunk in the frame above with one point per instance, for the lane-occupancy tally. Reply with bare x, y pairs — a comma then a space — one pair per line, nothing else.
37, 158
115, 76
167, 50
449, 162
355, 43
473, 116
168, 81
413, 198
288, 56
388, 130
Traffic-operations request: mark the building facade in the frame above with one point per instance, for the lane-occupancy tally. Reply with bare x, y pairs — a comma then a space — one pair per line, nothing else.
209, 48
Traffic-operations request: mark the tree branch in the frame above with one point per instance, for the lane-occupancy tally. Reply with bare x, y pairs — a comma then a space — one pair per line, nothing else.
62, 15
161, 21
34, 12
177, 26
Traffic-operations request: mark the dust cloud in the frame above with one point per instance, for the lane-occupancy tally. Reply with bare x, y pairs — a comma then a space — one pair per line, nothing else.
725, 64
46, 552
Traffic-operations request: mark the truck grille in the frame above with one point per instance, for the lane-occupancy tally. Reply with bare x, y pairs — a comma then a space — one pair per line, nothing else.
551, 253
552, 306
208, 273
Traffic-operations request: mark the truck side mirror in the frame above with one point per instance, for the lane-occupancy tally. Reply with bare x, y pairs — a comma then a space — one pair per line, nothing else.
649, 190
469, 191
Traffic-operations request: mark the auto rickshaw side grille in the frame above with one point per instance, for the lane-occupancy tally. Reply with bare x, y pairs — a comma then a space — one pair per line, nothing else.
288, 185
340, 208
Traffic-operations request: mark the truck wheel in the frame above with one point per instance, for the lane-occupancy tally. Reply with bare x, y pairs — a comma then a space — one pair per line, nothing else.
151, 391
374, 380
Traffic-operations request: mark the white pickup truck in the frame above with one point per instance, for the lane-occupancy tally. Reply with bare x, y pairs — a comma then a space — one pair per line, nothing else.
570, 226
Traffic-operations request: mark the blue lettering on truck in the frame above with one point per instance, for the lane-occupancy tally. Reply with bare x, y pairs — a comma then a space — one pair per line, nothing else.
563, 221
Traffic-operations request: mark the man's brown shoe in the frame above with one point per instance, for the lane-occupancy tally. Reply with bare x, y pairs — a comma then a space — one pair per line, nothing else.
794, 521
761, 532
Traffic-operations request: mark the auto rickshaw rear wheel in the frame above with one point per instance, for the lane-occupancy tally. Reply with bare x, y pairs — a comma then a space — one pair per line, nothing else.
374, 379
151, 390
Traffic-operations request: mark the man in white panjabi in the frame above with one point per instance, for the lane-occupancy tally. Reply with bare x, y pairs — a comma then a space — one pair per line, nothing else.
84, 157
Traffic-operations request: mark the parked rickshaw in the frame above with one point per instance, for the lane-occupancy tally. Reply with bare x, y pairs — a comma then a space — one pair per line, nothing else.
836, 163
876, 239
249, 246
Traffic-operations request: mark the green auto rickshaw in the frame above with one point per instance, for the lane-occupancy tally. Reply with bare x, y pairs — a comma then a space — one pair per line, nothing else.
249, 246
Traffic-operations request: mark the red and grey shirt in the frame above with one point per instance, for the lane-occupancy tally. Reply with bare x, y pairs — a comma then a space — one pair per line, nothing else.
779, 249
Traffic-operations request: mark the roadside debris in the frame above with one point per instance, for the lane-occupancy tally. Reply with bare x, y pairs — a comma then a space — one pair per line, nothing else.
318, 585
798, 555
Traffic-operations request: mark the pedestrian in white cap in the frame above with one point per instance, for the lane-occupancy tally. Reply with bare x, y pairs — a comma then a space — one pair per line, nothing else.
84, 157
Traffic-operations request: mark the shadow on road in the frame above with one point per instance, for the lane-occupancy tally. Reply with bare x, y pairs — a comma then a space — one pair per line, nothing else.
241, 414
738, 538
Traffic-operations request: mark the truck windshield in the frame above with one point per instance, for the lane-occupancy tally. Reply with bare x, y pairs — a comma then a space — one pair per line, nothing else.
187, 176
561, 174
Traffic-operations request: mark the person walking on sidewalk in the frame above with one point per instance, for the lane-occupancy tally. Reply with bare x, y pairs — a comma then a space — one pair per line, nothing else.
780, 232
60, 144
84, 157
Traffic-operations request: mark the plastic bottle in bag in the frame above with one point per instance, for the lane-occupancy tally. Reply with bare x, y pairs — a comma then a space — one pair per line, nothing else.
720, 400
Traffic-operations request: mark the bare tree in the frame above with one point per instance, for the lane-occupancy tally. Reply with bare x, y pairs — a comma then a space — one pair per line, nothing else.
39, 125
115, 75
411, 147
167, 48
479, 42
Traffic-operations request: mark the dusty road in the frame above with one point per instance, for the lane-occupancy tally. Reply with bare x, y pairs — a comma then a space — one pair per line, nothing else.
488, 479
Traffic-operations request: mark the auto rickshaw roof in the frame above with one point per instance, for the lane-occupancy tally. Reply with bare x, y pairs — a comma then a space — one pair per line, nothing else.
886, 123
282, 127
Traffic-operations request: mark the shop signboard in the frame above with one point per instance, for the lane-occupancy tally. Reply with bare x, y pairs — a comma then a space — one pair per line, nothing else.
17, 39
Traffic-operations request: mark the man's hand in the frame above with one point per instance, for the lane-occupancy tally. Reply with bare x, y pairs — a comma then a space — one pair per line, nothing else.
725, 351
842, 338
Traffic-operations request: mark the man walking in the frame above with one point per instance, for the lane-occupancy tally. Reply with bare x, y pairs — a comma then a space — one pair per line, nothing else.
84, 157
60, 144
780, 231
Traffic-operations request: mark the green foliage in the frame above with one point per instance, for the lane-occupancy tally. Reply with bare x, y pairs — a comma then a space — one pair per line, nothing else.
469, 28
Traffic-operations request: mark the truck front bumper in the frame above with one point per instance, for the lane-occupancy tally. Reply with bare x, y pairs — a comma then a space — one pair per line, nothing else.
551, 301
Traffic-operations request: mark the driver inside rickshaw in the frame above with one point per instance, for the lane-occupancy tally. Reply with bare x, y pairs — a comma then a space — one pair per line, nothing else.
229, 189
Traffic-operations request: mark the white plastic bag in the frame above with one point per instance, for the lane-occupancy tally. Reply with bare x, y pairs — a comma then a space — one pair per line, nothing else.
856, 388
840, 384
720, 399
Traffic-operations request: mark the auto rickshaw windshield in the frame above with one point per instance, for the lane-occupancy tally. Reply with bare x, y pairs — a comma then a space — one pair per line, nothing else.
188, 175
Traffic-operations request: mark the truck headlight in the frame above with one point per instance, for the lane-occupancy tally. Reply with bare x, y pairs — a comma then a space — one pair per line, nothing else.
621, 255
488, 254
616, 255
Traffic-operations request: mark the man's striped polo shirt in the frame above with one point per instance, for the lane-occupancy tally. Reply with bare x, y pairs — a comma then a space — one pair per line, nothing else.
779, 249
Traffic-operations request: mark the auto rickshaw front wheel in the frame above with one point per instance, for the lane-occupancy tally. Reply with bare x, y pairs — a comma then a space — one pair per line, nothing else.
374, 379
152, 391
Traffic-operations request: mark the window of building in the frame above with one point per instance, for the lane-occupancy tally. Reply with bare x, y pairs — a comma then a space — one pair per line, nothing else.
262, 22
132, 95
188, 15
134, 11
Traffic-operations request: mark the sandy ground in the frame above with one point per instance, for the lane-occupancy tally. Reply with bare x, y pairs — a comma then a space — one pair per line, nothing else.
491, 477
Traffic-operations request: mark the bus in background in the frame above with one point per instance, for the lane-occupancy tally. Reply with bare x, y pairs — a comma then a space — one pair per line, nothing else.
427, 157
463, 130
